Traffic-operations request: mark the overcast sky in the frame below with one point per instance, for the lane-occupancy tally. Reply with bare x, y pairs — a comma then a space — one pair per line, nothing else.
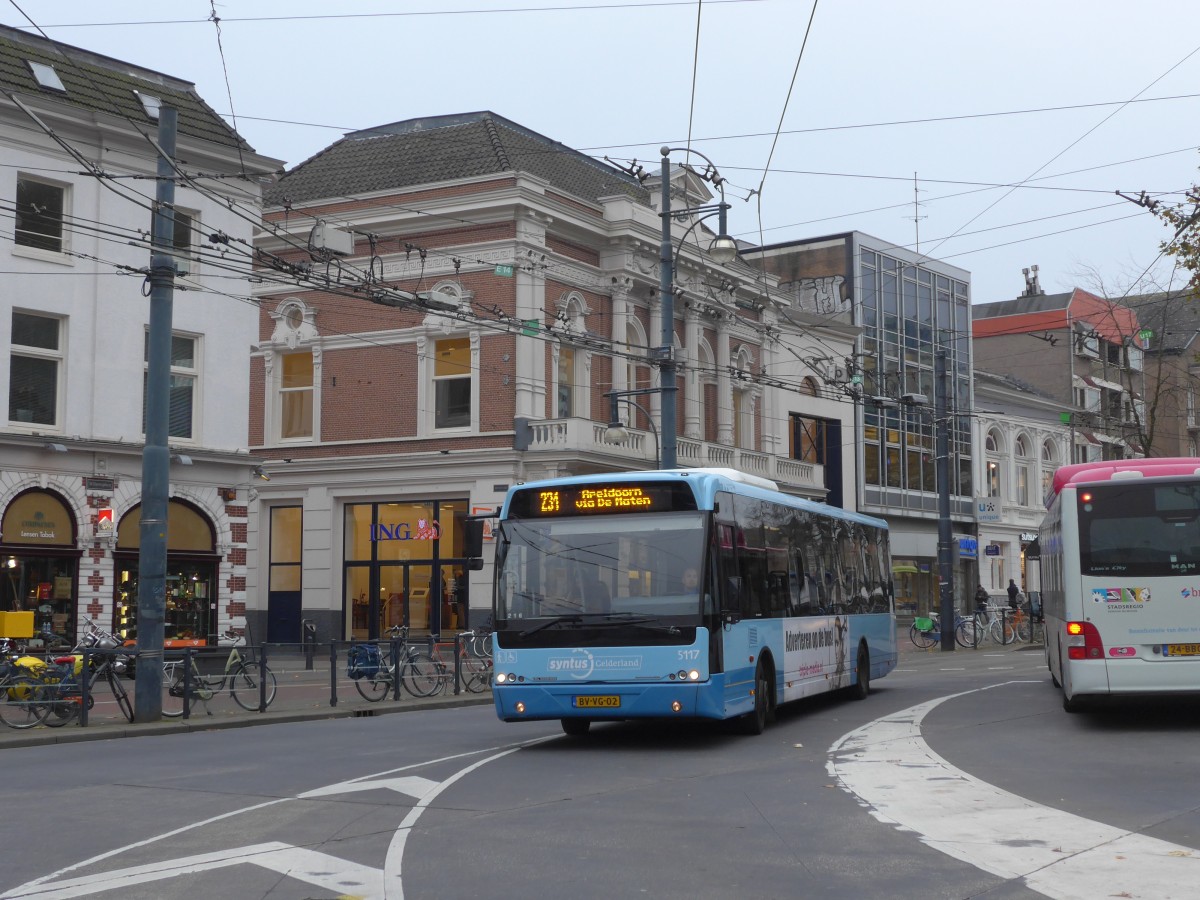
1072, 100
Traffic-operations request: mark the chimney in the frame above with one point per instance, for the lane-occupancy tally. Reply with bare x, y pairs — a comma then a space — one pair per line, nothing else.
1032, 287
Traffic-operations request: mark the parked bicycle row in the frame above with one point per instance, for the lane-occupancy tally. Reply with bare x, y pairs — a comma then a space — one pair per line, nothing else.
1000, 625
51, 691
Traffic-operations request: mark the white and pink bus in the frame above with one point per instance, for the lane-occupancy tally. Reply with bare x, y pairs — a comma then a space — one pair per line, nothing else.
1120, 571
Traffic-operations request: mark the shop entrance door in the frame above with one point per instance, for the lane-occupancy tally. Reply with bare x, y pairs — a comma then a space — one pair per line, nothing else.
405, 598
283, 617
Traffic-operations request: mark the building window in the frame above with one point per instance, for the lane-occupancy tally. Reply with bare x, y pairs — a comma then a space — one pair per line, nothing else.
1024, 463
184, 242
452, 383
994, 482
45, 75
181, 409
1049, 464
40, 208
566, 382
296, 396
35, 370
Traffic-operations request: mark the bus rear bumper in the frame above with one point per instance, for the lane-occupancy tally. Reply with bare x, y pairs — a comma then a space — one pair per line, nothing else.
529, 703
1135, 677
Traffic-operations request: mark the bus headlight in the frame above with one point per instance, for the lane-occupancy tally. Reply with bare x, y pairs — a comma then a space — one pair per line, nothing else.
693, 675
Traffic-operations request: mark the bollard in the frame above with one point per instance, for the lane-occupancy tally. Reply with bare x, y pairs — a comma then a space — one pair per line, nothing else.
395, 650
188, 655
457, 664
333, 664
84, 687
309, 632
262, 678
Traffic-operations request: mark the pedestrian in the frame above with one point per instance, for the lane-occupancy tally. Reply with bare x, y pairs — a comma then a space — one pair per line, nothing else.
1013, 593
982, 597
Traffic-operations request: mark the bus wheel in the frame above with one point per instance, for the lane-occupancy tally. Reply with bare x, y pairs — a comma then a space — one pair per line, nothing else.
1073, 704
756, 722
862, 671
576, 727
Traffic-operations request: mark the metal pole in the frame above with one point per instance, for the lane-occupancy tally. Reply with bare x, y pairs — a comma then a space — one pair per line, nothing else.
666, 285
156, 457
945, 537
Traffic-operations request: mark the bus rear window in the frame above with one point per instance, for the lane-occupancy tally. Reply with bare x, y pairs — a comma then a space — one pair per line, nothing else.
1139, 529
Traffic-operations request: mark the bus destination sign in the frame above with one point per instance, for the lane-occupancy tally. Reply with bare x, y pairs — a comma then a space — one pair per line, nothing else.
601, 499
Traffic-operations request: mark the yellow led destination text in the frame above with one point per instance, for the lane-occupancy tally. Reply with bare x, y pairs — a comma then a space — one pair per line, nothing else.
549, 502
613, 498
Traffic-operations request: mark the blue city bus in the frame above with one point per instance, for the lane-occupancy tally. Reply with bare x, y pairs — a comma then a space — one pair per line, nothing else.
685, 594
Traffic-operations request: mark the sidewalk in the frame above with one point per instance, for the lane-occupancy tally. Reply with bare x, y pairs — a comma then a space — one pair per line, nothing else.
302, 694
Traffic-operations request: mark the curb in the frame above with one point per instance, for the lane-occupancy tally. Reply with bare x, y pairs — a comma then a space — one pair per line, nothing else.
73, 734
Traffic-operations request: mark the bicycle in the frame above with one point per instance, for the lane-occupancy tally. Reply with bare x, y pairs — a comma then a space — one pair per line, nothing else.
416, 671
475, 668
926, 631
240, 675
63, 682
22, 702
998, 624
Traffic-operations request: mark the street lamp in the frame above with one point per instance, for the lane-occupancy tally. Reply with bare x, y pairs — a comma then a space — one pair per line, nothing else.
722, 251
617, 433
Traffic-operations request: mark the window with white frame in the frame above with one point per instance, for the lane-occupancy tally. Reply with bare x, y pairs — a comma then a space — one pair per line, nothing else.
41, 206
296, 396
1024, 463
181, 391
992, 477
1049, 464
452, 383
1087, 343
35, 370
566, 382
570, 375
184, 241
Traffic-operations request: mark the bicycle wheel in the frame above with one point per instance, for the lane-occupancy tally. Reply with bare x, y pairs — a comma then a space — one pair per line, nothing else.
1001, 632
923, 639
22, 703
421, 675
243, 686
172, 698
967, 634
377, 686
119, 694
476, 673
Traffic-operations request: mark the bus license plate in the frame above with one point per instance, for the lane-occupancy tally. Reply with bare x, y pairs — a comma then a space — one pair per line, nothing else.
602, 702
1183, 650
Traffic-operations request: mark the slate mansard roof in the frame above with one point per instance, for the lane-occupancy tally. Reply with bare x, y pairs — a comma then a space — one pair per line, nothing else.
104, 85
447, 148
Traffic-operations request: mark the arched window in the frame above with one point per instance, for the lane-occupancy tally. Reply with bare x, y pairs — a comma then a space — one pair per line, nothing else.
570, 371
1024, 470
994, 446
743, 409
1049, 464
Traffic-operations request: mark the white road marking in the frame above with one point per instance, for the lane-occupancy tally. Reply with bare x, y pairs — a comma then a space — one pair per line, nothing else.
313, 867
903, 782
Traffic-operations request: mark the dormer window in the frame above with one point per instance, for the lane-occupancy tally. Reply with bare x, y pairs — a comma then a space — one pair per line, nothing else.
150, 104
46, 76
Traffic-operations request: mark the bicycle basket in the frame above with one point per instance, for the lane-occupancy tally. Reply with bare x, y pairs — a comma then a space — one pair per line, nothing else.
921, 623
363, 661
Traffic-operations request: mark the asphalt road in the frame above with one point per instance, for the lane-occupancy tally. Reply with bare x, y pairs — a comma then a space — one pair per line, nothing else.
830, 802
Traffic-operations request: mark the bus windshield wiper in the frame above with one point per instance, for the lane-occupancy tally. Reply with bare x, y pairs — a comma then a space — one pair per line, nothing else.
560, 620
647, 622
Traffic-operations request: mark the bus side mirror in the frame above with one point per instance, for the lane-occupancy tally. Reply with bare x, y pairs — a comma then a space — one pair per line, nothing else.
473, 543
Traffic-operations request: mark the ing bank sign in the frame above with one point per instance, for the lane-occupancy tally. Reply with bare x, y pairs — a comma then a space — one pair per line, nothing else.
403, 531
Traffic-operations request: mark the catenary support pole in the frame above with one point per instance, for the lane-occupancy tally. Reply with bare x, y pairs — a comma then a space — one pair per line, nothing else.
156, 456
666, 282
945, 537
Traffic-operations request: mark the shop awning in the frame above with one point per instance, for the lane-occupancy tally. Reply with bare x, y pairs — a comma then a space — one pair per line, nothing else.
905, 569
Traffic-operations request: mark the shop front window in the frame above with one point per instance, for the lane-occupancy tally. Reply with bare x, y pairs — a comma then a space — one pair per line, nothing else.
39, 566
190, 604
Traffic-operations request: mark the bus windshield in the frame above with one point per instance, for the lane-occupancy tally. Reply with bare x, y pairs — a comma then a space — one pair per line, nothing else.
616, 566
1143, 530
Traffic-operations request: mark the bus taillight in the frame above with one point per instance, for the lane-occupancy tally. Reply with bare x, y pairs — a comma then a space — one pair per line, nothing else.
1083, 641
